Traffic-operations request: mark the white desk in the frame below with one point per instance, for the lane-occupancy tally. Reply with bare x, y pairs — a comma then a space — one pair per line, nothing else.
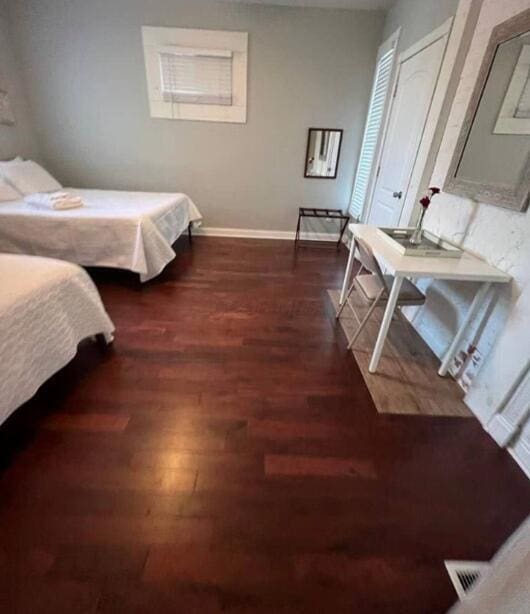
466, 268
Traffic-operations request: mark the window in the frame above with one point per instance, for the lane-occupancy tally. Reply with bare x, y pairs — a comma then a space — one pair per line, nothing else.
374, 123
193, 76
196, 74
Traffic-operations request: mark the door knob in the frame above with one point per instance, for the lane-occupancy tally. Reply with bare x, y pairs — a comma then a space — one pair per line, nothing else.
397, 194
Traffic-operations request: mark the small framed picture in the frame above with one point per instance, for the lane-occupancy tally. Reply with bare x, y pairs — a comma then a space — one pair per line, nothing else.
6, 113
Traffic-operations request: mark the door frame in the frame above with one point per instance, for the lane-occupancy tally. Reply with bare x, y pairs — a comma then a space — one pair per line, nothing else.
422, 154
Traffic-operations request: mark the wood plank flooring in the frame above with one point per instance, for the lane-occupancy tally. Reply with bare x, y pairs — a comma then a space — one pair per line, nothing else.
225, 456
406, 381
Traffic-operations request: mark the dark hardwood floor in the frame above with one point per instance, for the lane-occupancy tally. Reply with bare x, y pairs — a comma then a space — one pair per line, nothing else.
225, 456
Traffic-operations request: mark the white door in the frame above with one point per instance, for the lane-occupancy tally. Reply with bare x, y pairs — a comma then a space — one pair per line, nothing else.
415, 89
374, 127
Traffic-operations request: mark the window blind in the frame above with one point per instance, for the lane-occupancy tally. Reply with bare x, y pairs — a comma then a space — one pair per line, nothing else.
196, 76
372, 130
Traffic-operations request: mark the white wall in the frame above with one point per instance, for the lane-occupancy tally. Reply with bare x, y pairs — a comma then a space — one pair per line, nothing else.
501, 236
83, 66
19, 138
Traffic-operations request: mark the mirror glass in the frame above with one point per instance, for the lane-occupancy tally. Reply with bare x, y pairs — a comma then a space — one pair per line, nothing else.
498, 145
323, 152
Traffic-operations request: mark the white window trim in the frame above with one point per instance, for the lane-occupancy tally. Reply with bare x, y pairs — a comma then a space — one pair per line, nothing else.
198, 41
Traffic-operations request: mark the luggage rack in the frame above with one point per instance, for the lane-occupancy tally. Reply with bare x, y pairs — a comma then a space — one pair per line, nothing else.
318, 212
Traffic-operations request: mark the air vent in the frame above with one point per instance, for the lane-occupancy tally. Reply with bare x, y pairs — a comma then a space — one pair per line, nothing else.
464, 574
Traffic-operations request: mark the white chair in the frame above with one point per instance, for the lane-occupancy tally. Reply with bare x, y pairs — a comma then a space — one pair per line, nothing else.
374, 288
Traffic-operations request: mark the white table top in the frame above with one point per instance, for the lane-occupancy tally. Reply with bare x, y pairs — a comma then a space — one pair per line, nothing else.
465, 268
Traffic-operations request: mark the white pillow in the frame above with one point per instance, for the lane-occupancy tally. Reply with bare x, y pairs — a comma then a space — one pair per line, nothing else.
8, 192
29, 177
6, 163
13, 161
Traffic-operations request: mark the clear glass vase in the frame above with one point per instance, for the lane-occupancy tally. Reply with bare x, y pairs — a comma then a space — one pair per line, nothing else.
417, 235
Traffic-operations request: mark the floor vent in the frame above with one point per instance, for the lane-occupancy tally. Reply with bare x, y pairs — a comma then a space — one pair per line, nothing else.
464, 574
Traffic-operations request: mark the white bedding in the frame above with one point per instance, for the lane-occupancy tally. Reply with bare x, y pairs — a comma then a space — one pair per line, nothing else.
46, 308
125, 230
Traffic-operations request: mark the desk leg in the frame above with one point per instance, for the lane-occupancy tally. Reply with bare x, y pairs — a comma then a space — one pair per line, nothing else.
387, 318
342, 229
347, 274
472, 311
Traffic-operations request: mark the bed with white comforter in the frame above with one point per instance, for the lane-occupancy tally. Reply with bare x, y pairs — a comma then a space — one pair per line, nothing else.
46, 308
126, 230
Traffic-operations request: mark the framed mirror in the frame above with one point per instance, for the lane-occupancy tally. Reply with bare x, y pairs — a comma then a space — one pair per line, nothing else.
491, 162
323, 153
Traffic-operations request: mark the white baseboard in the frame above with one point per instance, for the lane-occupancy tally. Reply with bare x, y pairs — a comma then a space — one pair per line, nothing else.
501, 430
520, 452
251, 233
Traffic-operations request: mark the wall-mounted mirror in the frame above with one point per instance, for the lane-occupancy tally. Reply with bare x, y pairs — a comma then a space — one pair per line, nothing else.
323, 152
492, 159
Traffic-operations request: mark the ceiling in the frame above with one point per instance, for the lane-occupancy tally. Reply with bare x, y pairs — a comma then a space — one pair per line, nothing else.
326, 4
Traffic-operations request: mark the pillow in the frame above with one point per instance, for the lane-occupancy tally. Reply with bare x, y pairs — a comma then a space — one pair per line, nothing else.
8, 192
13, 161
28, 177
6, 163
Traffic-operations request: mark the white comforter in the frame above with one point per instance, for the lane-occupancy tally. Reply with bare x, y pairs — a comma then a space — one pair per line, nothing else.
125, 230
46, 308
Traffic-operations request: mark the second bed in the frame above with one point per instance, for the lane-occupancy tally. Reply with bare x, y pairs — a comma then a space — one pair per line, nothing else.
126, 230
47, 307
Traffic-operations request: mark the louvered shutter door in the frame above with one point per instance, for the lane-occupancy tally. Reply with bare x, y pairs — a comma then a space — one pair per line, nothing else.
372, 130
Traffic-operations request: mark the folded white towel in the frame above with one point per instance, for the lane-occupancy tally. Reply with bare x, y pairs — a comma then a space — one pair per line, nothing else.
54, 200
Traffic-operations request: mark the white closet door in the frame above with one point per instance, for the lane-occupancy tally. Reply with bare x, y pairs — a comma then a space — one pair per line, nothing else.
417, 80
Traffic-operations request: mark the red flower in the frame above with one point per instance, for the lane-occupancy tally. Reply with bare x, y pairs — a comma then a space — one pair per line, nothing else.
434, 191
425, 201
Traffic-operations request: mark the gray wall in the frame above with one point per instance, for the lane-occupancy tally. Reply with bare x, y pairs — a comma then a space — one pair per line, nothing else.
83, 66
417, 18
19, 138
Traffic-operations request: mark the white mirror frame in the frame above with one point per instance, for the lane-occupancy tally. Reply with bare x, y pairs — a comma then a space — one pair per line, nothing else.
511, 198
